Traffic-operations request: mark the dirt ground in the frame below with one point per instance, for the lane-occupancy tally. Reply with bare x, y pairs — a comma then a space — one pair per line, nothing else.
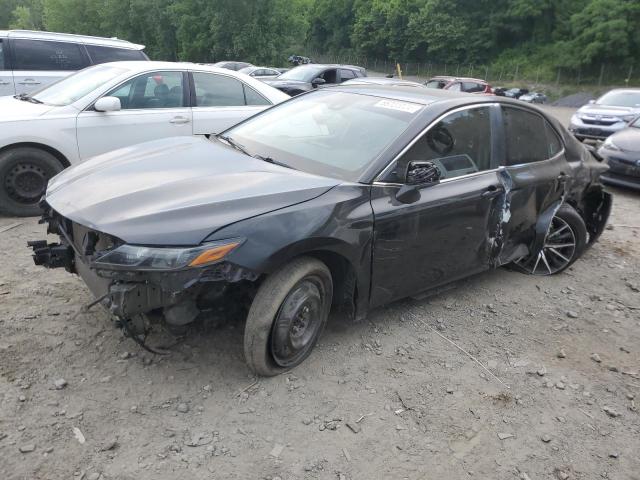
386, 398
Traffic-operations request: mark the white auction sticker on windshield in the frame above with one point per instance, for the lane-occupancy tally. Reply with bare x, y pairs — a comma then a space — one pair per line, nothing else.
399, 105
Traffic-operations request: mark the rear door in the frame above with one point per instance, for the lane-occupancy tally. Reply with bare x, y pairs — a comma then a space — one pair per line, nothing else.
535, 175
220, 101
6, 75
38, 63
154, 106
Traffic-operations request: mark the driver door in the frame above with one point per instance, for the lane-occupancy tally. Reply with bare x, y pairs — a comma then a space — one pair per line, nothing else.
154, 106
446, 232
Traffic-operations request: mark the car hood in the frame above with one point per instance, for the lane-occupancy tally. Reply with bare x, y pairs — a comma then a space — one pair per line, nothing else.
176, 191
627, 139
607, 110
14, 109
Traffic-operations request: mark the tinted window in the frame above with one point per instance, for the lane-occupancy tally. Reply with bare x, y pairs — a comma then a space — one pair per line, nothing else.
471, 87
217, 91
43, 55
459, 144
346, 75
254, 98
100, 54
529, 137
151, 90
329, 76
1, 55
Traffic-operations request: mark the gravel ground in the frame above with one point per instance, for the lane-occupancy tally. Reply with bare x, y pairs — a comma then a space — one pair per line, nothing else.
388, 397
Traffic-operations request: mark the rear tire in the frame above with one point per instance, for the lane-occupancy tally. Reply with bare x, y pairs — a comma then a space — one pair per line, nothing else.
287, 316
24, 174
564, 243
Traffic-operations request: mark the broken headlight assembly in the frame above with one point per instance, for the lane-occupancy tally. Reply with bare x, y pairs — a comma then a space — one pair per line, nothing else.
137, 257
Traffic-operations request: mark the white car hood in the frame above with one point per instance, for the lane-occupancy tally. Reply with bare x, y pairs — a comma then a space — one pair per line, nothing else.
607, 110
13, 109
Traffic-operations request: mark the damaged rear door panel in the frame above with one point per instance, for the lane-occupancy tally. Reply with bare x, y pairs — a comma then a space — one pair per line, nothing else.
534, 177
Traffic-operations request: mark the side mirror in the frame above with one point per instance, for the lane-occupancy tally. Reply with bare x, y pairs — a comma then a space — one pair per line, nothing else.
108, 104
422, 173
318, 81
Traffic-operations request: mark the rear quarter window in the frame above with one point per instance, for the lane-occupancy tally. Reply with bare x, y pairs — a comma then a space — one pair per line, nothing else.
46, 55
102, 54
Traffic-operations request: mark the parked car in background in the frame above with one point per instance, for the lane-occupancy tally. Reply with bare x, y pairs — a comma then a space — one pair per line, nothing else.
533, 97
607, 115
459, 84
235, 66
32, 60
307, 77
344, 199
500, 91
515, 92
110, 106
621, 151
296, 60
261, 73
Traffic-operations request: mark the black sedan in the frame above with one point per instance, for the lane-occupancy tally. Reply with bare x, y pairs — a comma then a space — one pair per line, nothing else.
343, 199
622, 153
308, 77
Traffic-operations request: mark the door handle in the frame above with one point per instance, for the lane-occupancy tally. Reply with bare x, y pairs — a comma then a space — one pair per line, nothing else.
492, 191
179, 120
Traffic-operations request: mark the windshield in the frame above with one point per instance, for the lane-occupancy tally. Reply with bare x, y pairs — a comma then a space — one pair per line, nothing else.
620, 98
333, 134
304, 73
636, 124
76, 86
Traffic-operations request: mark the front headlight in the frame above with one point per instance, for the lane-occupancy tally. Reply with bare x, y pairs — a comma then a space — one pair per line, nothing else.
137, 257
609, 145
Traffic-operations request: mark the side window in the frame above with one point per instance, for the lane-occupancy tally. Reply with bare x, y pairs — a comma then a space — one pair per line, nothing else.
253, 97
45, 55
151, 90
529, 137
346, 75
2, 62
330, 76
217, 90
101, 54
459, 144
456, 87
472, 87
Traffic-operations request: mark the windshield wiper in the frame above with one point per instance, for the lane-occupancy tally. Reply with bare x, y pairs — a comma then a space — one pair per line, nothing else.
234, 144
271, 160
26, 98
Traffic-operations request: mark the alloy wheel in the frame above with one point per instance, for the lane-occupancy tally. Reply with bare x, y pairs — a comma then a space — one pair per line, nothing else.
557, 252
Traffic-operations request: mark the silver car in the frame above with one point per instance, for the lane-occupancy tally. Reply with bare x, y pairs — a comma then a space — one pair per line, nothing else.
607, 115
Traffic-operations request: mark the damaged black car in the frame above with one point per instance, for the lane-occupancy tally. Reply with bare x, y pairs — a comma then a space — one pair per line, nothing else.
342, 199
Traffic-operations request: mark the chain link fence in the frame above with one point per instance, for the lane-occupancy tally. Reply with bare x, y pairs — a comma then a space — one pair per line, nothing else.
602, 75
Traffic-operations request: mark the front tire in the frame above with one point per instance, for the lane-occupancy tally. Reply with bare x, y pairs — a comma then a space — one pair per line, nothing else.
564, 243
287, 316
24, 174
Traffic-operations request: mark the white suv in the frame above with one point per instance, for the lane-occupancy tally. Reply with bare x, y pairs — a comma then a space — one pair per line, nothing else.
110, 106
31, 60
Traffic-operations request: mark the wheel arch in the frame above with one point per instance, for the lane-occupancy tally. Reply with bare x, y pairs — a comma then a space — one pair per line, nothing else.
47, 148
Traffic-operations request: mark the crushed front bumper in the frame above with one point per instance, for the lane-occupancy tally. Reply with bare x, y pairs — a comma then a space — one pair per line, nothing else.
175, 296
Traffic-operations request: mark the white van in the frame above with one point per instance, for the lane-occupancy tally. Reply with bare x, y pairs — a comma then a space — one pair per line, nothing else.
31, 60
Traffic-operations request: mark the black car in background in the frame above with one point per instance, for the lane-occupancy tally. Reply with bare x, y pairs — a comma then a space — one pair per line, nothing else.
342, 199
622, 153
515, 92
231, 65
307, 77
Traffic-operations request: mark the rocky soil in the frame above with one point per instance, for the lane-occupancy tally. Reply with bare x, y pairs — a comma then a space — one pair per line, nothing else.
556, 396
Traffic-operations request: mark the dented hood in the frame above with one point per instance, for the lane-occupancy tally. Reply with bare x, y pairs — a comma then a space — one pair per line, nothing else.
176, 191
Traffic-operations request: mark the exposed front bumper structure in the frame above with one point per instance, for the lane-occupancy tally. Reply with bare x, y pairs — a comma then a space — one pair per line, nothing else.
177, 297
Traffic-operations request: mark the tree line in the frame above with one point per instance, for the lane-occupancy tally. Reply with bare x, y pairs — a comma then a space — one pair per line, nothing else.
553, 33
